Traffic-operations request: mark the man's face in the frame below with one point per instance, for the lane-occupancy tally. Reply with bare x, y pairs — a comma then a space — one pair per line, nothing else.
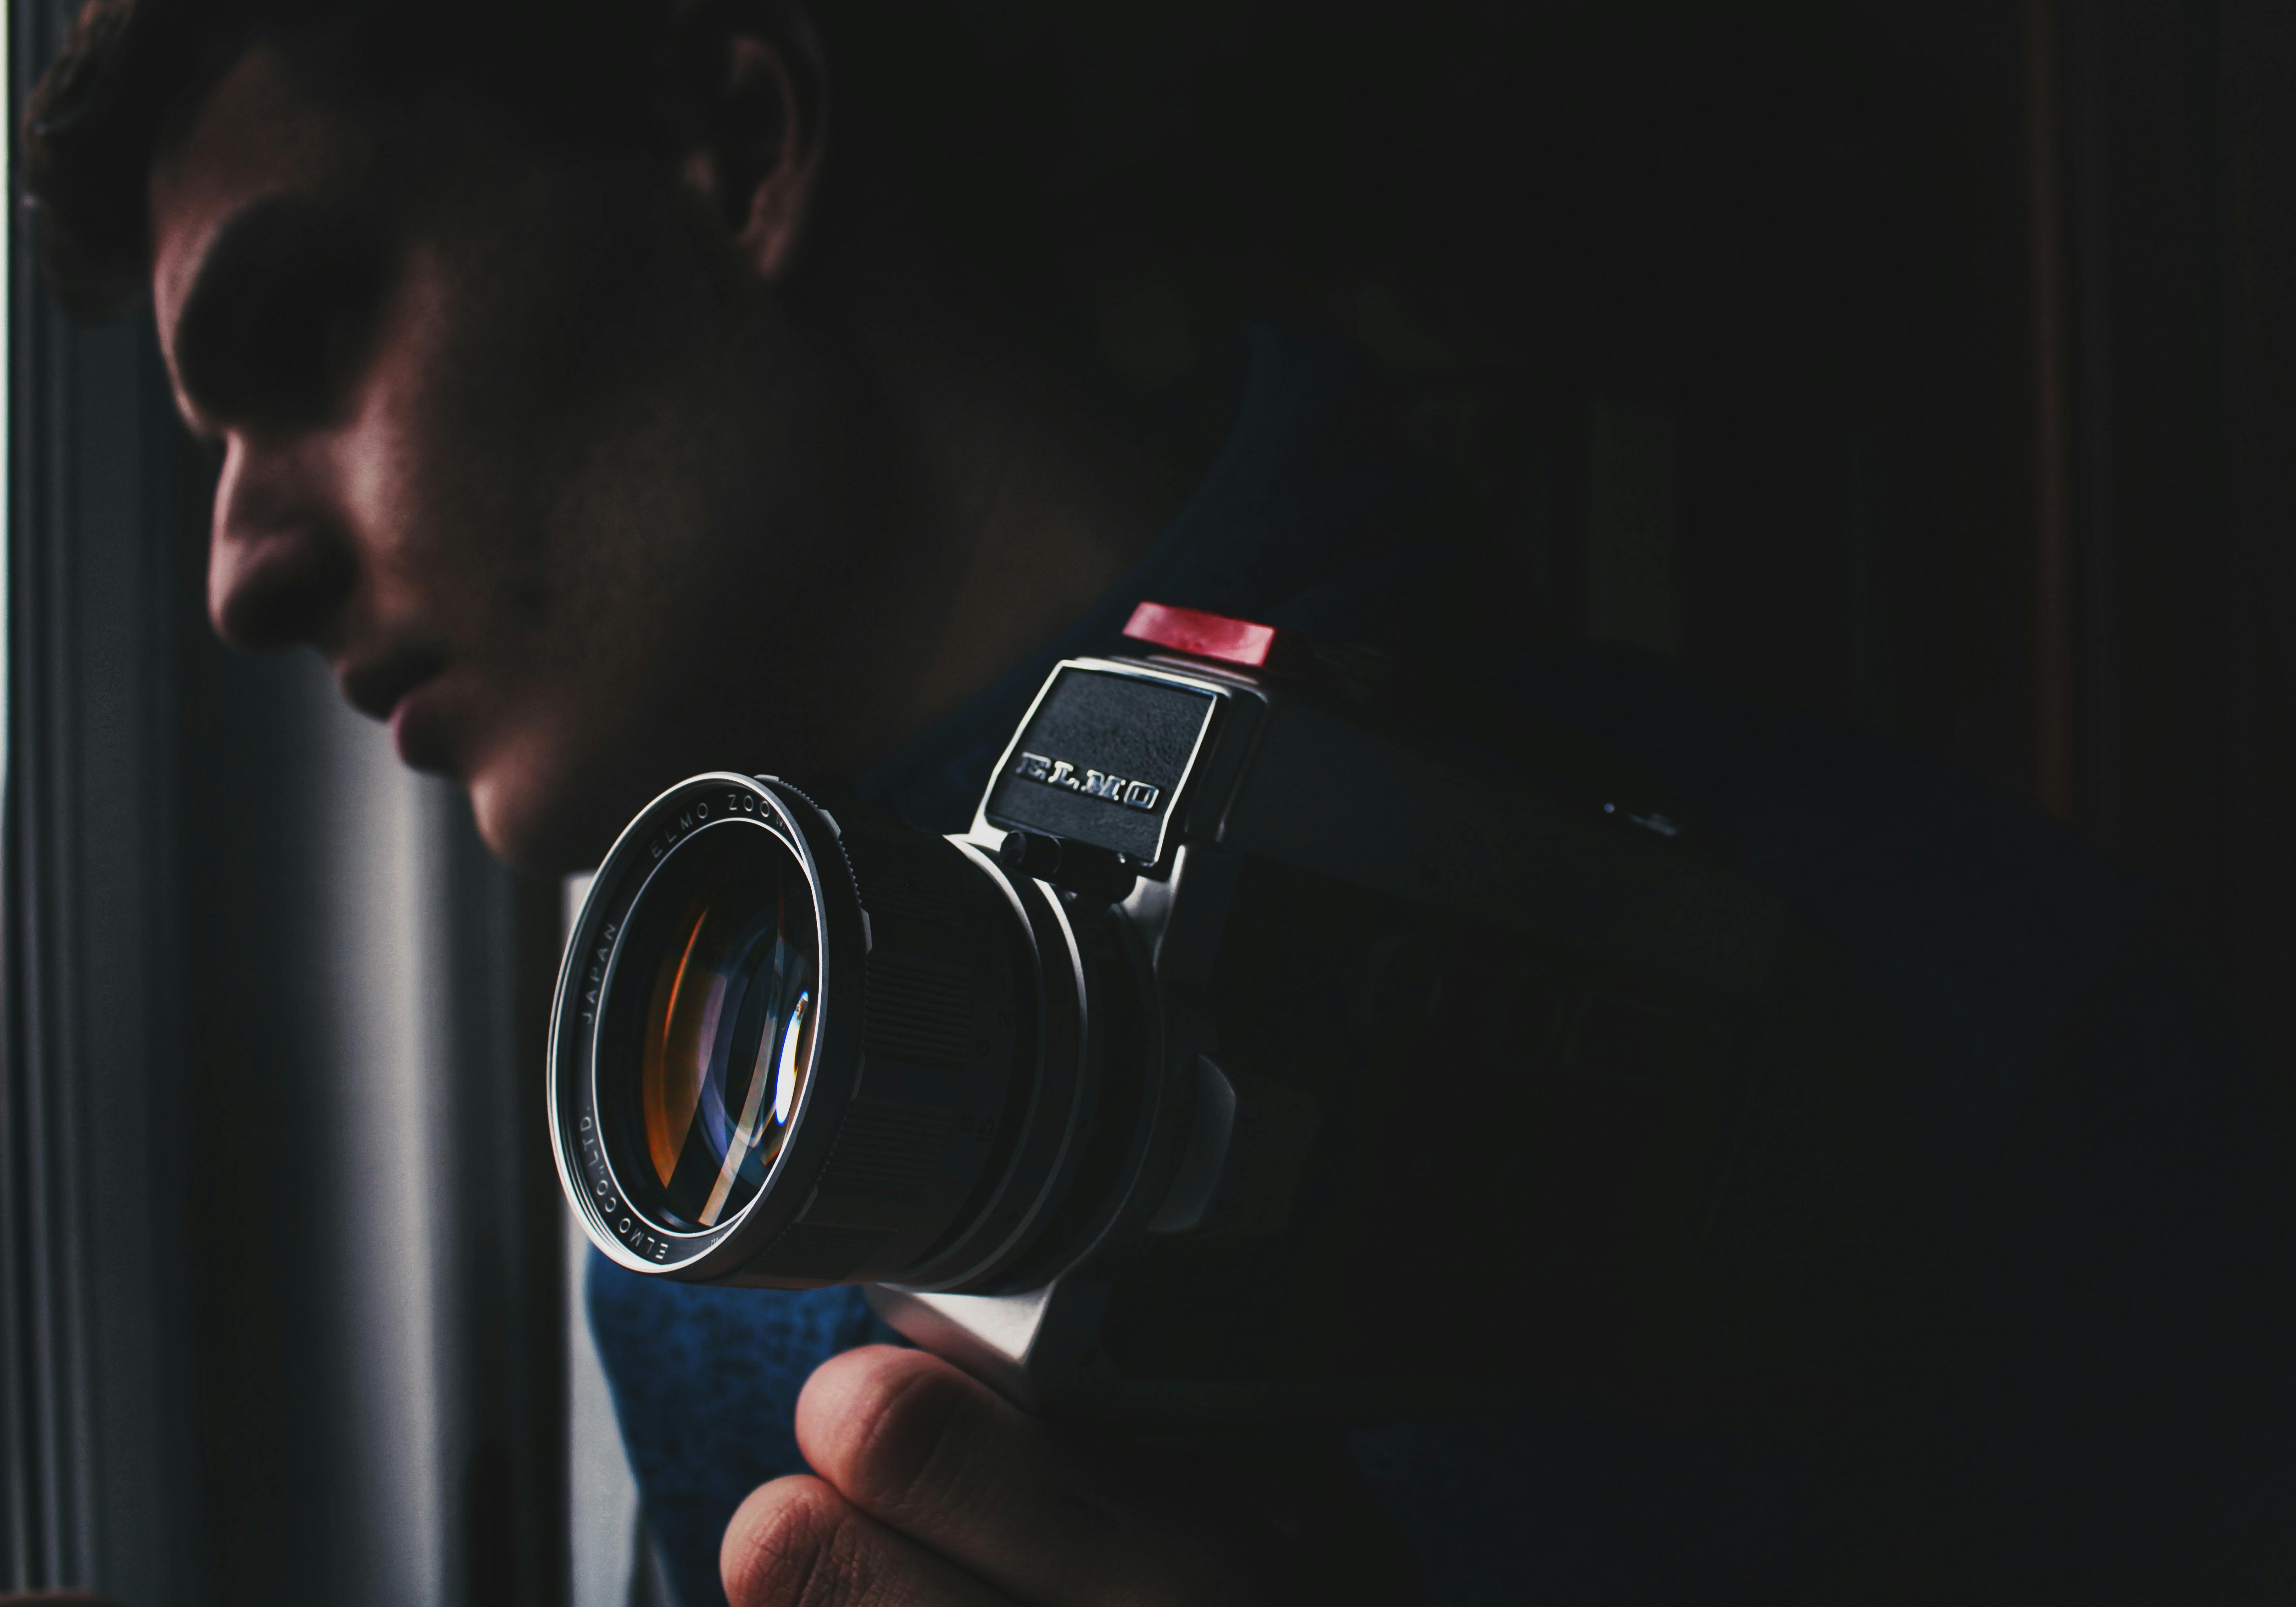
514, 441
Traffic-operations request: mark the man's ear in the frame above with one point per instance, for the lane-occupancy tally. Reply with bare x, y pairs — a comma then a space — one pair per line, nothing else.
756, 98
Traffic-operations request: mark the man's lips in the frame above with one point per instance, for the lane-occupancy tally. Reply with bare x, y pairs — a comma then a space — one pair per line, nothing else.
422, 726
375, 688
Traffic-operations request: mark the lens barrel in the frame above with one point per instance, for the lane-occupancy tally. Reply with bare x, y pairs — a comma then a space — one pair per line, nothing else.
792, 1049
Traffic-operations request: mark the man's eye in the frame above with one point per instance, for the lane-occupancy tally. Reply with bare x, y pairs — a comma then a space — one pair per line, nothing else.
305, 338
282, 314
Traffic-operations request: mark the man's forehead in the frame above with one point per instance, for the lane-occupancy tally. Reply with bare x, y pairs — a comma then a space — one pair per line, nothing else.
263, 131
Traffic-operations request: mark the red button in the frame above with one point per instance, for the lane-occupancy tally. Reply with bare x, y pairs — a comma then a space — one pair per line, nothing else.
1206, 636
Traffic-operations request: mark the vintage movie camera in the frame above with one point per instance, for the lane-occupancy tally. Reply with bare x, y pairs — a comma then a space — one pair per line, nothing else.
1260, 1017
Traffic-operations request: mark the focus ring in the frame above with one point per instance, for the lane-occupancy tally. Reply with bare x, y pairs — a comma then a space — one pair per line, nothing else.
934, 1019
919, 1010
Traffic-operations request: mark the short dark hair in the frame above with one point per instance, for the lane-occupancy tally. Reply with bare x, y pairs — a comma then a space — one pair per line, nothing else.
921, 92
1590, 198
131, 69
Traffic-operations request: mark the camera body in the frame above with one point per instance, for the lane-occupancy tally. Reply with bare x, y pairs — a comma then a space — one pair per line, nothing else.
1259, 1008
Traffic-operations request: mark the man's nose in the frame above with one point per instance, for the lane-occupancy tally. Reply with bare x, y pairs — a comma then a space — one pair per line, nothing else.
279, 560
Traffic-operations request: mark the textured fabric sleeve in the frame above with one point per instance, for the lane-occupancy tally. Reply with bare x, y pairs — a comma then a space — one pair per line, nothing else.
705, 1384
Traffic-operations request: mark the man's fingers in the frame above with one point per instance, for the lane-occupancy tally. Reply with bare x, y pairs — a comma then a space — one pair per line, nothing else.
913, 1441
798, 1542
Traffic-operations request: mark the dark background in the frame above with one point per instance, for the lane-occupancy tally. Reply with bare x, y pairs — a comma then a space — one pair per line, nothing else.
1928, 367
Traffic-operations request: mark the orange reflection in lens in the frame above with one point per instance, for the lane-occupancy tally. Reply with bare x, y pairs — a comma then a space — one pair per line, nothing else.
671, 1073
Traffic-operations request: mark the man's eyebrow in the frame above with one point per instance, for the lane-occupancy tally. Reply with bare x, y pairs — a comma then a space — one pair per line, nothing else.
248, 259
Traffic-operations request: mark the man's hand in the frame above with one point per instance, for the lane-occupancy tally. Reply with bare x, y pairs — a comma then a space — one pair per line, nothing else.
933, 1490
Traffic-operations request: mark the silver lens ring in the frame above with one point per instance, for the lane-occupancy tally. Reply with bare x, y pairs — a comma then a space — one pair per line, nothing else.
788, 1048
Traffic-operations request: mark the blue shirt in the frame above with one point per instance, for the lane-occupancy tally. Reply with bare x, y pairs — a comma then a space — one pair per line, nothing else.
1984, 937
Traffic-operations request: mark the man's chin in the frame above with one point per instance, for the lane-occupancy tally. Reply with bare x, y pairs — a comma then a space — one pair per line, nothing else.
545, 828
549, 801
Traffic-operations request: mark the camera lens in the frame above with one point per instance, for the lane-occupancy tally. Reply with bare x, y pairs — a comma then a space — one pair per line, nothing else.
714, 1005
792, 1048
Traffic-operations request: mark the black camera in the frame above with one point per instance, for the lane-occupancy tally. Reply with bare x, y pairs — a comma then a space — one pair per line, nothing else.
1257, 999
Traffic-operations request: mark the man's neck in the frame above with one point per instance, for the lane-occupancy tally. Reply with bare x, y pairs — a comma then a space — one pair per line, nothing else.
1025, 506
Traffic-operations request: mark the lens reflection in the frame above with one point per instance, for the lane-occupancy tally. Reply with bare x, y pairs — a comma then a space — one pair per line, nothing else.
725, 1040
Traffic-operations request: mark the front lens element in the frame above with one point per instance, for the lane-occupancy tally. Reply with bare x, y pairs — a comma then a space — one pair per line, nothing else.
708, 1035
